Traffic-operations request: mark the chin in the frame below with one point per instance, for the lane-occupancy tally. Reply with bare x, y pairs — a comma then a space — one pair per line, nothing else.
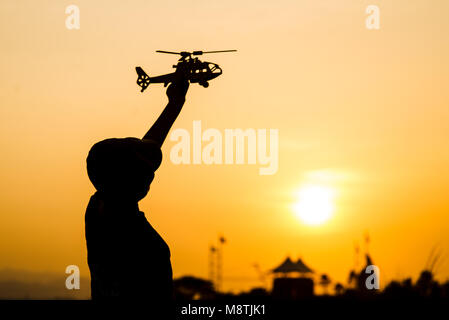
142, 193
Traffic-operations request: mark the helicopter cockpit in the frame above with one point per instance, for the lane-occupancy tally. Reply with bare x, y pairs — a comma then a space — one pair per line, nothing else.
201, 72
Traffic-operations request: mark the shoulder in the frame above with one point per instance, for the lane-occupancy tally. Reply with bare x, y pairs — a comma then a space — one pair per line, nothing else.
95, 207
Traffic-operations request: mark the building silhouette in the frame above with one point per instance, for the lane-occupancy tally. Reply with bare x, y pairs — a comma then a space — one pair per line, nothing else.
292, 280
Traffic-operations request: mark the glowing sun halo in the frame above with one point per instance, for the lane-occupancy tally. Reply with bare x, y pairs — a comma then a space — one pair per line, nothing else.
315, 204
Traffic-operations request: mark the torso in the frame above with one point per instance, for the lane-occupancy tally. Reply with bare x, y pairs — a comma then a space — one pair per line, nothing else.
126, 256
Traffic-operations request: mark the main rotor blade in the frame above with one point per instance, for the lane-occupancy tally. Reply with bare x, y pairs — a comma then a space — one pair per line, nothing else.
217, 51
170, 52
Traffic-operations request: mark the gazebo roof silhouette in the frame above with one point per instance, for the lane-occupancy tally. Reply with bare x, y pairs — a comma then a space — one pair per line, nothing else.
289, 266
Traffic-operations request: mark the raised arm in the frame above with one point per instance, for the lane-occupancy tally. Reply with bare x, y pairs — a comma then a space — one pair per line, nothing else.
176, 93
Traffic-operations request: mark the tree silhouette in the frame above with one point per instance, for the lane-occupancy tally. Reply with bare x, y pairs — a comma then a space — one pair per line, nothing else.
325, 282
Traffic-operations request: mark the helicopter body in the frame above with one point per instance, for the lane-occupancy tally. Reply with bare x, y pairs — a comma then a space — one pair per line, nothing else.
192, 69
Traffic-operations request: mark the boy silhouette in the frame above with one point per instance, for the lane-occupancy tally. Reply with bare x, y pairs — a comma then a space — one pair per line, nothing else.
127, 258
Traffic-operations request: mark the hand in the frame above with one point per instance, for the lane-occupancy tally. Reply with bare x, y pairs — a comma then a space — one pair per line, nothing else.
177, 90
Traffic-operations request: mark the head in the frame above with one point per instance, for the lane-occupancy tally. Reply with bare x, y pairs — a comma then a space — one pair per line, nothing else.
123, 168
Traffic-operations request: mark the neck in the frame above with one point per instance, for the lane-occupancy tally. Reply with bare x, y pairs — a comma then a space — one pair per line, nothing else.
118, 203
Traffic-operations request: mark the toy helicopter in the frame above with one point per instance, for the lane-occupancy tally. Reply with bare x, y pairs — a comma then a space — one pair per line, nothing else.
190, 68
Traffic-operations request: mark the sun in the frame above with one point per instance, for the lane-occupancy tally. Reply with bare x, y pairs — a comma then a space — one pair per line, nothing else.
315, 204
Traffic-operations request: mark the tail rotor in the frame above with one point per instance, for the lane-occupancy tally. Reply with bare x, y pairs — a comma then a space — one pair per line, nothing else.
143, 80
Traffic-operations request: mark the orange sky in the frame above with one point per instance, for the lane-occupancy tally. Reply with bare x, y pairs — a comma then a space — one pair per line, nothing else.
366, 110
